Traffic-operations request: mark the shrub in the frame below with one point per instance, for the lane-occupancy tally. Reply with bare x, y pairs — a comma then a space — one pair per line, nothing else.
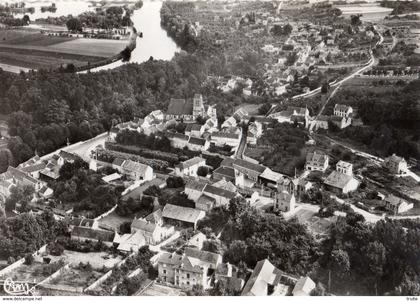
29, 259
175, 182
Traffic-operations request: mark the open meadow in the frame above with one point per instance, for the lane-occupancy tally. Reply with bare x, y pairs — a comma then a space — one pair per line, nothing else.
30, 49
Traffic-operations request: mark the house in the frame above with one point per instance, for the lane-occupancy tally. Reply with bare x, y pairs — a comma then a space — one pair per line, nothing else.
91, 234
130, 242
395, 164
19, 178
320, 122
194, 189
194, 130
33, 170
211, 125
303, 287
226, 185
205, 203
302, 187
290, 113
254, 132
240, 115
316, 160
341, 180
230, 122
66, 157
228, 274
270, 178
397, 205
197, 241
198, 144
136, 171
265, 280
194, 267
152, 228
223, 172
189, 167
226, 138
343, 110
340, 121
5, 187
246, 171
345, 168
284, 202
178, 140
182, 215
186, 110
220, 195
46, 192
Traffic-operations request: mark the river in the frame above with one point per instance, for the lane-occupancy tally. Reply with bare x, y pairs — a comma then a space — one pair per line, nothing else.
155, 41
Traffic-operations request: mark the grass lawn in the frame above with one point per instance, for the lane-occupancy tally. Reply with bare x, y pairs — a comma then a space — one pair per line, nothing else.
96, 259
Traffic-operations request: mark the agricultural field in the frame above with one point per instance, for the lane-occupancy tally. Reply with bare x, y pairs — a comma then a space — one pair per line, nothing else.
28, 48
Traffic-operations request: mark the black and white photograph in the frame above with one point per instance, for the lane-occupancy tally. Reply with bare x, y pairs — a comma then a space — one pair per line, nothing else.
208, 148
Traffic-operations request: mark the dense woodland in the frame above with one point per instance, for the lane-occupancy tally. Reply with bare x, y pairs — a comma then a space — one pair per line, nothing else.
391, 117
362, 259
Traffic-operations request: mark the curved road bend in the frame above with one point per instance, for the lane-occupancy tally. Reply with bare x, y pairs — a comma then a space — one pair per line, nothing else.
338, 84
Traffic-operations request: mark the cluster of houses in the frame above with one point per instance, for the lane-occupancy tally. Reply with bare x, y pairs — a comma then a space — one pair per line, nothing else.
342, 117
196, 136
197, 267
91, 33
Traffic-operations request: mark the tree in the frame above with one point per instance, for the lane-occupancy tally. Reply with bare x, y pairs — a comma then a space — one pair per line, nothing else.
175, 182
74, 24
203, 171
56, 249
264, 109
325, 88
375, 258
340, 263
196, 290
29, 259
26, 20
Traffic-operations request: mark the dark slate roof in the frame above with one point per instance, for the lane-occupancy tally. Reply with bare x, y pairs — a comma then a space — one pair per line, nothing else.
225, 171
180, 107
184, 214
202, 255
249, 165
180, 136
68, 156
197, 141
225, 135
190, 162
220, 192
118, 161
34, 167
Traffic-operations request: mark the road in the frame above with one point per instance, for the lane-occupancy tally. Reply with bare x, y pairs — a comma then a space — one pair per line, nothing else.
375, 159
241, 148
83, 148
338, 84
